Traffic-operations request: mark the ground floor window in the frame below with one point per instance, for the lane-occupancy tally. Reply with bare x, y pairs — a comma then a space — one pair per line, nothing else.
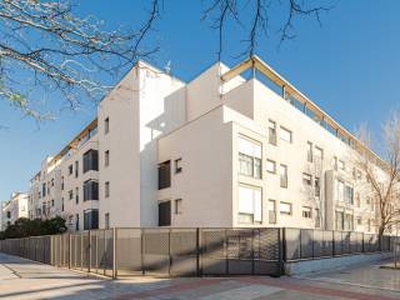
164, 213
250, 205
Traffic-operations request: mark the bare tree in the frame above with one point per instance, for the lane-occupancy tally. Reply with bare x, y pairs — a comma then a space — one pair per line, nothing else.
382, 177
49, 46
62, 55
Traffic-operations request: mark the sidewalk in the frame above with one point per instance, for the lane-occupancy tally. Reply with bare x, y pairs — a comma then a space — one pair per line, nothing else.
24, 279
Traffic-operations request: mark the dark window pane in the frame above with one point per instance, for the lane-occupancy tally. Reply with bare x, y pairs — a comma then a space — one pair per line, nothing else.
164, 213
164, 175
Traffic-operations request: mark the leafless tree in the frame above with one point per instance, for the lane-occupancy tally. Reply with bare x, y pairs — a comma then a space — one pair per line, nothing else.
384, 186
49, 46
61, 54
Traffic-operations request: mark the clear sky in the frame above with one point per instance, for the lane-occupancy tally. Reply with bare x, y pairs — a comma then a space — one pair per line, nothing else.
350, 67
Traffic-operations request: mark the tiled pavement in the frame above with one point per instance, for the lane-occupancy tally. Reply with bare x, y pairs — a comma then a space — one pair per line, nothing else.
23, 279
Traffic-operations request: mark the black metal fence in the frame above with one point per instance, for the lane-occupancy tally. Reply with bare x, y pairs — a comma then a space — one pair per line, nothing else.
121, 252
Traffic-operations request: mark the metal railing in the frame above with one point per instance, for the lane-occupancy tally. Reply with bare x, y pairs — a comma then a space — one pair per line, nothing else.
121, 252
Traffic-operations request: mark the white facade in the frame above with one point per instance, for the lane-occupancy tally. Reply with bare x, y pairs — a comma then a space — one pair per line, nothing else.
13, 209
226, 150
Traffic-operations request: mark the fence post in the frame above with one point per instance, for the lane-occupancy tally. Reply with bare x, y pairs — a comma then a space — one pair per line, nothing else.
282, 249
142, 250
169, 252
198, 270
90, 251
333, 243
114, 271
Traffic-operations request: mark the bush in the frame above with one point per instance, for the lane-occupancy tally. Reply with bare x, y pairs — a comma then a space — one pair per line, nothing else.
24, 227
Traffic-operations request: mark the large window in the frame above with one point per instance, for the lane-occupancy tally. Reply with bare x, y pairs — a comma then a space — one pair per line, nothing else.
250, 205
339, 220
286, 135
249, 158
90, 190
349, 194
164, 175
90, 219
340, 190
91, 161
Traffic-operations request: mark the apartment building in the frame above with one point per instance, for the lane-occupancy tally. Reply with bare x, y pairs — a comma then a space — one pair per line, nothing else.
235, 147
13, 209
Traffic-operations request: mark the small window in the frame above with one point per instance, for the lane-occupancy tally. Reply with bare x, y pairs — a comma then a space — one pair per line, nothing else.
106, 125
307, 179
317, 186
76, 195
319, 153
62, 204
359, 220
107, 189
178, 165
178, 206
306, 213
283, 172
286, 135
285, 208
309, 152
107, 220
335, 163
71, 194
76, 169
52, 182
70, 169
271, 166
342, 165
272, 132
52, 203
62, 183
107, 158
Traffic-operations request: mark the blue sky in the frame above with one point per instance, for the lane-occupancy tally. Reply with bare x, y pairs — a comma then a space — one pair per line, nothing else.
349, 67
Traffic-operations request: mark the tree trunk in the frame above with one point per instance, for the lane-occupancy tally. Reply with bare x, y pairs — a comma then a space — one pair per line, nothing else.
382, 228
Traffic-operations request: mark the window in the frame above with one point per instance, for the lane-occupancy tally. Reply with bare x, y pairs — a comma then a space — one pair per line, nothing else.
107, 158
62, 183
319, 153
283, 172
164, 175
44, 189
76, 169
76, 195
349, 195
249, 158
286, 135
90, 219
62, 204
250, 205
52, 203
317, 187
339, 220
359, 220
349, 222
107, 220
335, 163
272, 132
164, 213
90, 190
106, 125
307, 179
178, 165
272, 211
107, 189
52, 182
70, 169
342, 165
358, 201
9, 214
309, 152
90, 161
71, 194
317, 218
77, 222
178, 206
306, 213
340, 190
285, 208
271, 166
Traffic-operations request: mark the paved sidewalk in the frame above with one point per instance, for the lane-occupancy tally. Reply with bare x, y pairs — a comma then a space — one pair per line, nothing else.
24, 279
